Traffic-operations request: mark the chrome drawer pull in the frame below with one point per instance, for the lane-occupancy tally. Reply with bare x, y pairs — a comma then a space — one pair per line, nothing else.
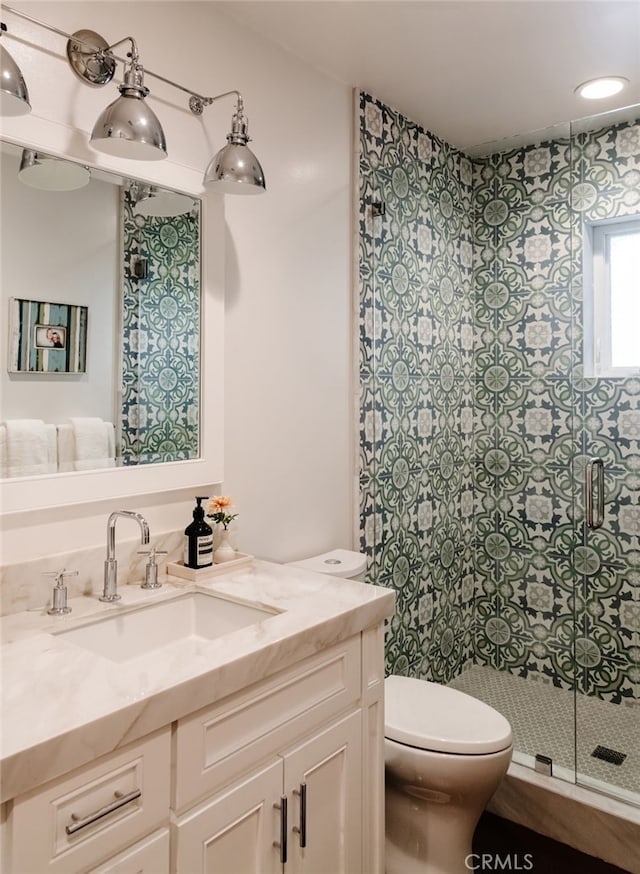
302, 828
120, 801
282, 844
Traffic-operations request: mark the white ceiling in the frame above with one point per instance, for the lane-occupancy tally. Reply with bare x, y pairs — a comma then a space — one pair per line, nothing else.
471, 71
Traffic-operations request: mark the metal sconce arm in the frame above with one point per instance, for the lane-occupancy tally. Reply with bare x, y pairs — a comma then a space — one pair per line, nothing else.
103, 53
198, 103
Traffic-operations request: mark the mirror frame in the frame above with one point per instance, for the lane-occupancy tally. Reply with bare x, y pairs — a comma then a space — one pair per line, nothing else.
24, 494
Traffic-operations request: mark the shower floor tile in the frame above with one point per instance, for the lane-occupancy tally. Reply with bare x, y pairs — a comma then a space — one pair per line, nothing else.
542, 720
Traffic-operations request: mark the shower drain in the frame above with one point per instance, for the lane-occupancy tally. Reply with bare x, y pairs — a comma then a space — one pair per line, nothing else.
608, 755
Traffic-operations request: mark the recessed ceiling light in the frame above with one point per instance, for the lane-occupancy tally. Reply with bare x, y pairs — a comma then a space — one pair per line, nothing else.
605, 86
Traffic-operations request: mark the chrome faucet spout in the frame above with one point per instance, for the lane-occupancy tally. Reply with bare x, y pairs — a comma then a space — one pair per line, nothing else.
110, 590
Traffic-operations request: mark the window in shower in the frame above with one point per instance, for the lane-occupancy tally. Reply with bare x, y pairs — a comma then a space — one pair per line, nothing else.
612, 298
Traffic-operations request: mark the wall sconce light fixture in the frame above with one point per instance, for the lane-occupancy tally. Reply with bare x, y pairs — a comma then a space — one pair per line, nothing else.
51, 174
14, 96
235, 169
151, 201
128, 128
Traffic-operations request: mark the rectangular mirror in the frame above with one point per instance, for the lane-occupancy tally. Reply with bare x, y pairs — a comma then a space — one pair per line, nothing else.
102, 346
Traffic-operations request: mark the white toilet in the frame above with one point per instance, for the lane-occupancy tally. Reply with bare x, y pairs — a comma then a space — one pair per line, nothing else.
338, 563
445, 755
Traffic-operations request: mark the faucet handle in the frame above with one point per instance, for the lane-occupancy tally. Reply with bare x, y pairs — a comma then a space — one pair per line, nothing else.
152, 553
59, 605
151, 570
60, 575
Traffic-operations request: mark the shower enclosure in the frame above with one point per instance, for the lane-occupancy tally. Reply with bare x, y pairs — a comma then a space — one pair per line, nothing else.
500, 426
605, 201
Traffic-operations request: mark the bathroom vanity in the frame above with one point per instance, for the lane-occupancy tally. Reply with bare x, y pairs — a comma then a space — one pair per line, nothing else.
255, 749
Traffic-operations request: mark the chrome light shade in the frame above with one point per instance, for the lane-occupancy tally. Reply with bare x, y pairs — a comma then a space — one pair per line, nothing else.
128, 128
51, 174
235, 169
151, 201
14, 96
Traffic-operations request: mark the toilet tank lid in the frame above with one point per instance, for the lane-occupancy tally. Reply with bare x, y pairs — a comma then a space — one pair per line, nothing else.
337, 563
434, 717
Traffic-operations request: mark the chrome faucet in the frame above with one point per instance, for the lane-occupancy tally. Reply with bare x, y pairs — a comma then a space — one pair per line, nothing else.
110, 592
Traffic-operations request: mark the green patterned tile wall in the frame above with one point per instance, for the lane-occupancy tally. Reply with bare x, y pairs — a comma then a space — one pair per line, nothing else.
475, 417
524, 444
416, 381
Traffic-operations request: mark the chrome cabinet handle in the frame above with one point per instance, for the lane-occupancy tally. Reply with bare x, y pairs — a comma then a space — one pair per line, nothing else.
302, 828
594, 494
282, 844
120, 801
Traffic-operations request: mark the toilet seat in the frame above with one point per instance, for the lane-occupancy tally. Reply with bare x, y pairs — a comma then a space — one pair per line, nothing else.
434, 717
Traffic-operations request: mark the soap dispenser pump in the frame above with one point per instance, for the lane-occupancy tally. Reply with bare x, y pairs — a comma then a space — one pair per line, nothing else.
198, 539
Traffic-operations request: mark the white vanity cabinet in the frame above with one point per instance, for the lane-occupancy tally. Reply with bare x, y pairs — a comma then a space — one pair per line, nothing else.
214, 784
248, 828
297, 740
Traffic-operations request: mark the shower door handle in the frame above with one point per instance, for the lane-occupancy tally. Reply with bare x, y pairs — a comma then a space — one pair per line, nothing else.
594, 492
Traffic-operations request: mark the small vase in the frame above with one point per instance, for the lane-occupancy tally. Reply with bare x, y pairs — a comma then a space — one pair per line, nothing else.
224, 551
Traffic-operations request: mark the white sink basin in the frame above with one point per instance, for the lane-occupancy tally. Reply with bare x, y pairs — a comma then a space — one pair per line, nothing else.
191, 617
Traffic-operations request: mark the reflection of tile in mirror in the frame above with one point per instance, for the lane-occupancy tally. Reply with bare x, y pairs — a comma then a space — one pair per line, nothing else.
160, 415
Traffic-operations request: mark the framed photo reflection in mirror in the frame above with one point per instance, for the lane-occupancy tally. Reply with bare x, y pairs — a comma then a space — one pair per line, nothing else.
47, 337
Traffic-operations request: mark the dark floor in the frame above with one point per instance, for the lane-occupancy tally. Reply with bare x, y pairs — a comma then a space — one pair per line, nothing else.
507, 846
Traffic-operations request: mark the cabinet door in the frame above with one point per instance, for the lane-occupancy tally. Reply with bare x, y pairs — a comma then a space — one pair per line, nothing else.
329, 766
235, 831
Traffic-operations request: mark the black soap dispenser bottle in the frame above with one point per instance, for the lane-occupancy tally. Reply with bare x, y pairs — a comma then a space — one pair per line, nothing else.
198, 540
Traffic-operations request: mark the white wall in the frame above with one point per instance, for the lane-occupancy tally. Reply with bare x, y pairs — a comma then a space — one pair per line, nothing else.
288, 317
288, 456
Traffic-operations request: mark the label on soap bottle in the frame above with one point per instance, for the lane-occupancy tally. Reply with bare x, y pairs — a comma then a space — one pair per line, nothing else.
198, 551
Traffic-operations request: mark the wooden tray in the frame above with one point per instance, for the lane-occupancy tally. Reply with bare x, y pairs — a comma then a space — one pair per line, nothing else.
177, 568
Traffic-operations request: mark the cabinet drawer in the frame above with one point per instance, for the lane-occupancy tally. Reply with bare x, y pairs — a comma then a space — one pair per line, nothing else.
75, 823
150, 856
217, 743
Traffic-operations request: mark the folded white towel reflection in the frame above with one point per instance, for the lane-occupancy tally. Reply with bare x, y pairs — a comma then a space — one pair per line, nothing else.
86, 444
30, 447
66, 448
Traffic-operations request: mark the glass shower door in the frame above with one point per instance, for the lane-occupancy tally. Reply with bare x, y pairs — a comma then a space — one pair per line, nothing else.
605, 199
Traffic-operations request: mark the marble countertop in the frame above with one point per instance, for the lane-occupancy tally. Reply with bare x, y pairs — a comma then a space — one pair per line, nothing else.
63, 706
